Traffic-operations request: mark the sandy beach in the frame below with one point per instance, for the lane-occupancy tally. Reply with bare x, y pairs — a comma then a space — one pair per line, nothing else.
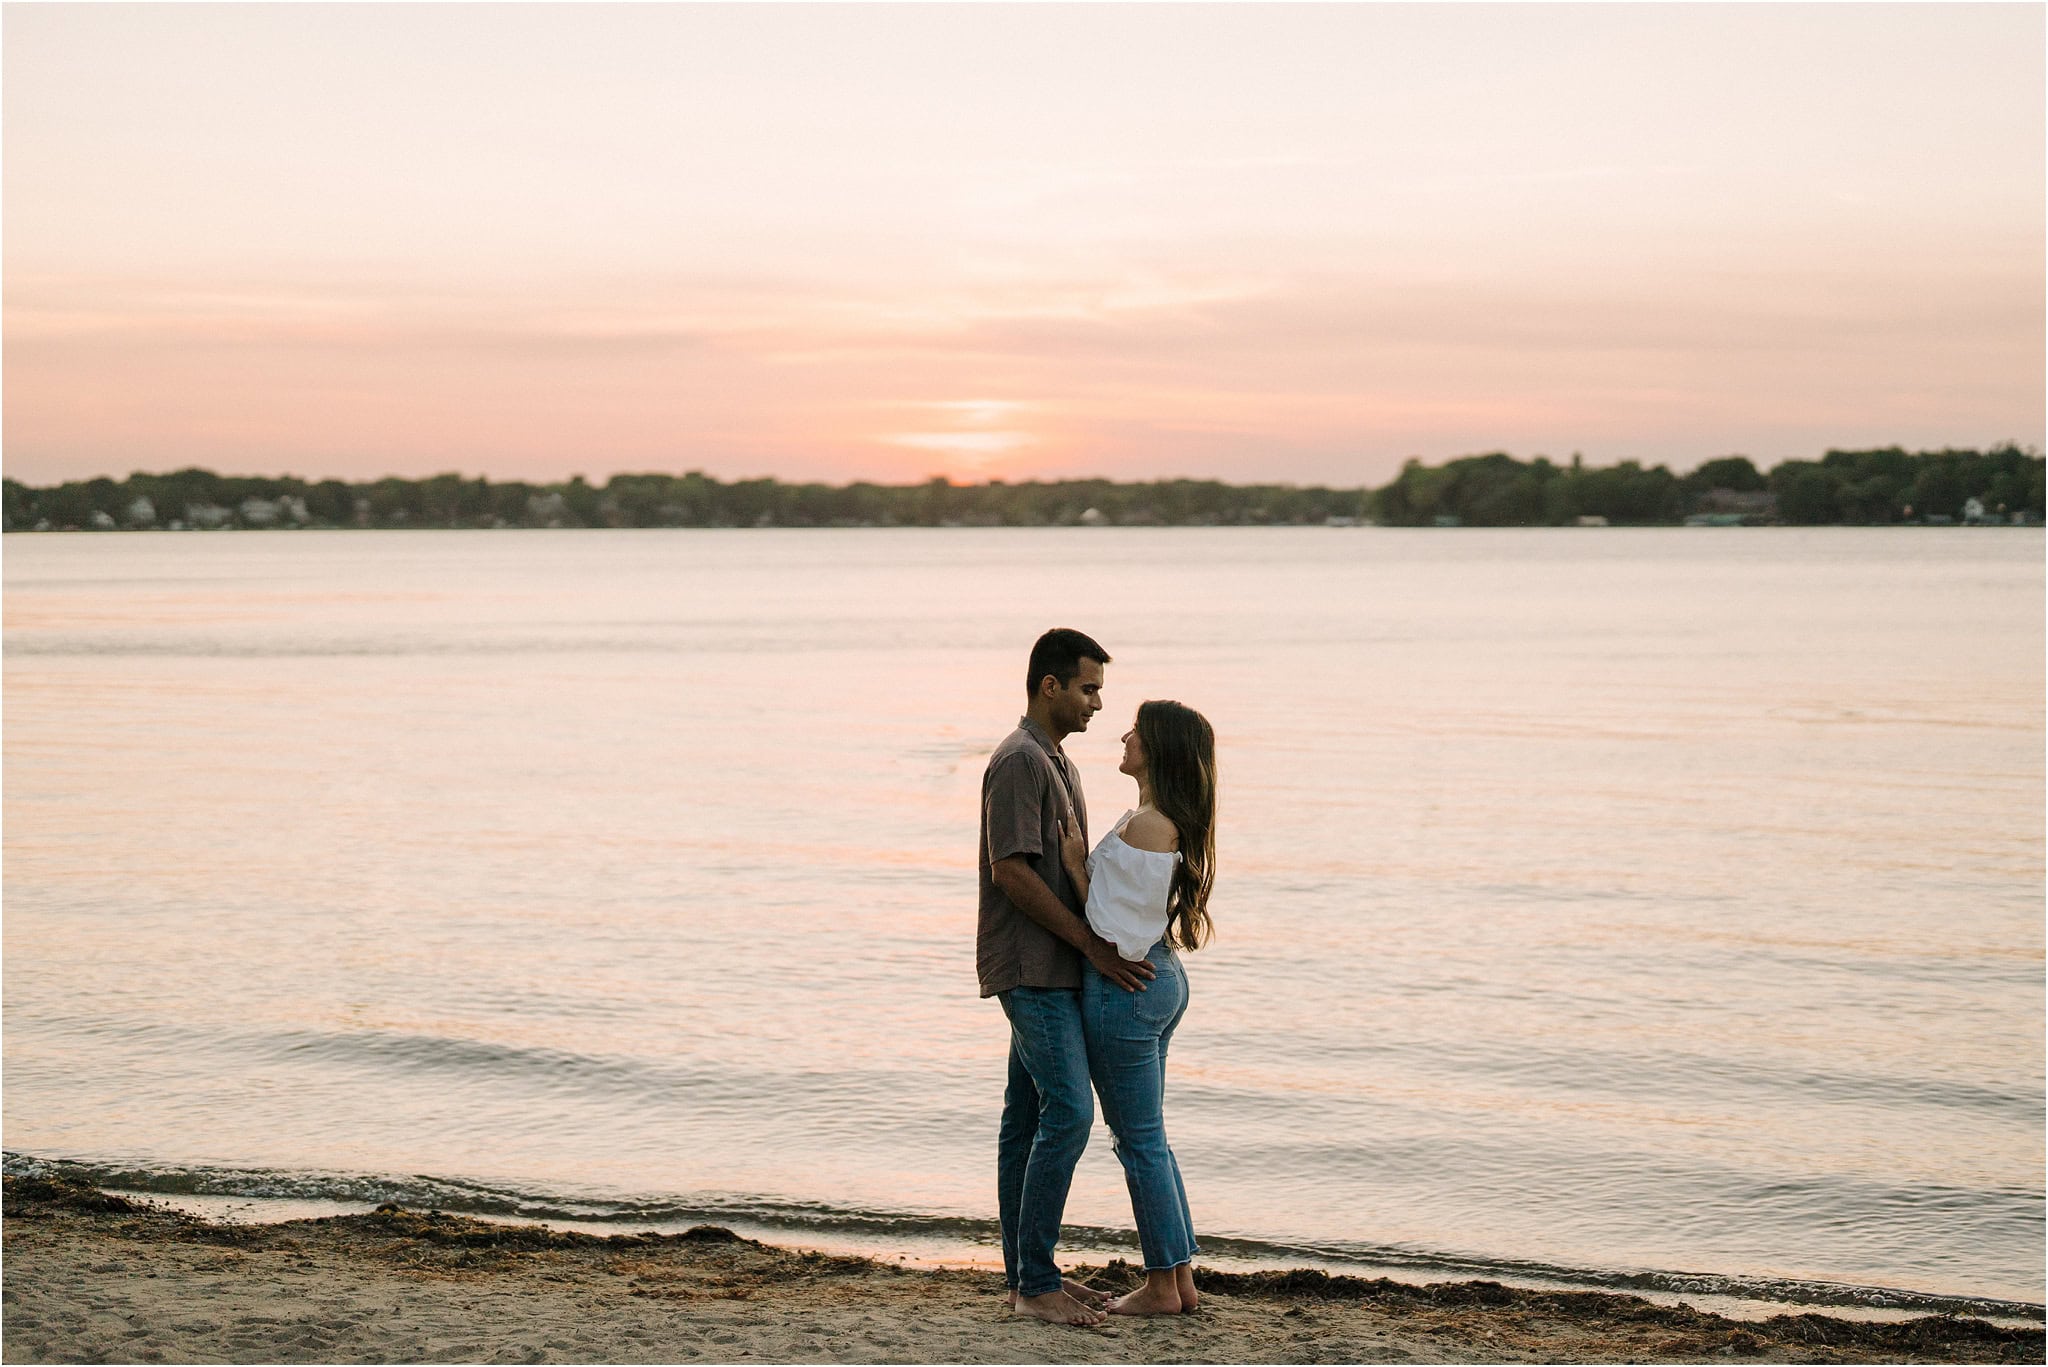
91, 1277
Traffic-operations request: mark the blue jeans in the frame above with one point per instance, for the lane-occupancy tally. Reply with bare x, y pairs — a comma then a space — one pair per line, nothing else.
1127, 1034
1046, 1114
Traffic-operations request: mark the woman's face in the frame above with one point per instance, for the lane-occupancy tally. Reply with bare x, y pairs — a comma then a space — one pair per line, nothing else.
1134, 753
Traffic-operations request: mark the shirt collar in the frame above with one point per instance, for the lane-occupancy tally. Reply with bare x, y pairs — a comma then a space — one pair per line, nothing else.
1039, 734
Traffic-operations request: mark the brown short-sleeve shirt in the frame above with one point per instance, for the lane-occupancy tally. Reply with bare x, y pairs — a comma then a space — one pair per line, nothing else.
1025, 791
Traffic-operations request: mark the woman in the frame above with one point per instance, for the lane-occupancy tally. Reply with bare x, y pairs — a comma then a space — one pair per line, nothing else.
1147, 889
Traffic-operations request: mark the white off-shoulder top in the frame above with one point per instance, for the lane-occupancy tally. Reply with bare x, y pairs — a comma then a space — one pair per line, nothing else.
1128, 892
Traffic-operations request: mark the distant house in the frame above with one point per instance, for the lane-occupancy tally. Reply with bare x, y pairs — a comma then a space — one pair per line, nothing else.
208, 515
141, 513
102, 521
1974, 514
1591, 520
547, 509
1094, 517
1760, 504
268, 512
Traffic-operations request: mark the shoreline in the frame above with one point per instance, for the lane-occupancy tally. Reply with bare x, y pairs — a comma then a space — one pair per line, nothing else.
942, 1242
95, 1276
934, 1253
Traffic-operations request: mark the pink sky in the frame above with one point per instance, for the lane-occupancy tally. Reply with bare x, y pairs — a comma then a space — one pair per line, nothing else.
1289, 242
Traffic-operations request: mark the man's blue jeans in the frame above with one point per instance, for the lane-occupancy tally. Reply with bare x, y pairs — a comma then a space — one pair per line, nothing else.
1046, 1114
1127, 1034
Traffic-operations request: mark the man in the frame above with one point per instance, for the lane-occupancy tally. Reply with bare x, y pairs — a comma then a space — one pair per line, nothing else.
1029, 944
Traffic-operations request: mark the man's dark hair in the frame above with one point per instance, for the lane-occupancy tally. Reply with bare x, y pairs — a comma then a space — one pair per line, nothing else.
1059, 653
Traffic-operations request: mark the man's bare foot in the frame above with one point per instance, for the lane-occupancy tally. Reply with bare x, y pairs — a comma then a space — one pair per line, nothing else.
1057, 1307
1184, 1282
1157, 1296
1080, 1291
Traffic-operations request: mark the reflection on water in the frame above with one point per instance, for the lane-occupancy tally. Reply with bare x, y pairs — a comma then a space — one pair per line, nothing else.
1663, 899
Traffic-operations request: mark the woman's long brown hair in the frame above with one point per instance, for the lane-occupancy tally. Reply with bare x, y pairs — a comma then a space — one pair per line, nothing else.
1180, 757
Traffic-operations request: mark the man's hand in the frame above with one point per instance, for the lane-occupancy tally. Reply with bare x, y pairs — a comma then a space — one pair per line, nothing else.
1020, 883
1129, 974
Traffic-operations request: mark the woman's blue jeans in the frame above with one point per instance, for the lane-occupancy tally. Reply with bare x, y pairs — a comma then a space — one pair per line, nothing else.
1127, 1035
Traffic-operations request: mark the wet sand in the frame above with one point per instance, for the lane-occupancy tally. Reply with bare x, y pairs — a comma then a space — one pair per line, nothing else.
90, 1277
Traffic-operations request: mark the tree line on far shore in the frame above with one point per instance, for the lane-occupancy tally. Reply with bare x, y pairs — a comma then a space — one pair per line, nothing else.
1875, 487
1860, 488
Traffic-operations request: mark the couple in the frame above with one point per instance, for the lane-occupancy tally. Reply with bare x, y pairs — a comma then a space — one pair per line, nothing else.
1079, 949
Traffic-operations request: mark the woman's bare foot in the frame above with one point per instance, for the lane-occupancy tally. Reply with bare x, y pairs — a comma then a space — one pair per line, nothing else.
1158, 1296
1056, 1307
1184, 1282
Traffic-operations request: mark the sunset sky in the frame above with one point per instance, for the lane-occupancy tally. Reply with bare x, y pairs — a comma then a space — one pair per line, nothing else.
1285, 242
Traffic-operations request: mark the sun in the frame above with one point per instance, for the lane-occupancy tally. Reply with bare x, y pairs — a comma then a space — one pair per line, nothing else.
975, 435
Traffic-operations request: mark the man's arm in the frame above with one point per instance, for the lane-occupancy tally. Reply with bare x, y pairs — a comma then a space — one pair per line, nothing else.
1019, 882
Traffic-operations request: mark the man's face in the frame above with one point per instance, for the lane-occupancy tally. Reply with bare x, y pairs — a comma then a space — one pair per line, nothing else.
1081, 699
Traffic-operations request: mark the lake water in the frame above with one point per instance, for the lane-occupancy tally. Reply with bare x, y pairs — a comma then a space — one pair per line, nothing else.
1653, 908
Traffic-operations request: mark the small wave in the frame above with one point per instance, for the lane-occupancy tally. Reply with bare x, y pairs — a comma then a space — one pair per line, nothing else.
403, 1050
462, 1196
1625, 1072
